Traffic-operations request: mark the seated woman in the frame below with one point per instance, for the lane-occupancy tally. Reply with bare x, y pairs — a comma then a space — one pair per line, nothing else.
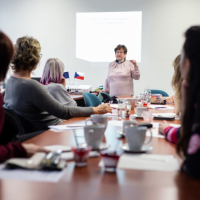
121, 73
176, 84
188, 143
12, 149
30, 99
55, 82
170, 132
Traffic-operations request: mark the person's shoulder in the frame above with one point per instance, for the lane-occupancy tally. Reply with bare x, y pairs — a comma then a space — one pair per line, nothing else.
56, 86
113, 63
26, 82
128, 62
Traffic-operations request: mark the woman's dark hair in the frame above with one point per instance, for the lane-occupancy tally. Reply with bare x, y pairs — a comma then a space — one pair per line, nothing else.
191, 50
27, 54
121, 47
6, 54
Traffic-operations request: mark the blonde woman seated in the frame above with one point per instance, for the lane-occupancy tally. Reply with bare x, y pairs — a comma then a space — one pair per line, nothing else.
55, 82
176, 85
30, 99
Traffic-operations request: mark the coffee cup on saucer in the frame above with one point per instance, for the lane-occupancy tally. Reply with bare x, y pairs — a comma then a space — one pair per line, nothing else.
129, 123
98, 119
140, 110
94, 135
135, 137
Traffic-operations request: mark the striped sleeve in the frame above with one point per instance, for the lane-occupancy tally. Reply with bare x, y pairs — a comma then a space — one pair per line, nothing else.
172, 134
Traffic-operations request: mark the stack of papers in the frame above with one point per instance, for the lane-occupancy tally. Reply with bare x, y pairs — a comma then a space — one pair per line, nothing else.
161, 107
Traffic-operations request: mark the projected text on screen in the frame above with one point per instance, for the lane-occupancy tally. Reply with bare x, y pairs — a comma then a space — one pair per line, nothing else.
97, 34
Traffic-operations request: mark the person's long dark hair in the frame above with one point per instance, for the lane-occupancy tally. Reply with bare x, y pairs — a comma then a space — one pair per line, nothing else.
6, 53
191, 49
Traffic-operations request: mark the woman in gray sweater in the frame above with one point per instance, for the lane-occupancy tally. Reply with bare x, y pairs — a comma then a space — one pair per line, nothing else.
55, 83
30, 99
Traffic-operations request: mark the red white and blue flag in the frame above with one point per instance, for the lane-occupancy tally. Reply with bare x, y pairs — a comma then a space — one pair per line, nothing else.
79, 75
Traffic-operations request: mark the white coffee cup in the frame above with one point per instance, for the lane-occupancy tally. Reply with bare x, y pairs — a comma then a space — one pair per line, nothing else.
135, 137
94, 135
129, 123
98, 119
132, 101
140, 110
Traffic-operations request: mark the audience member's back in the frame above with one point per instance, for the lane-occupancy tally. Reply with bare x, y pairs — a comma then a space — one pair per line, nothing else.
21, 96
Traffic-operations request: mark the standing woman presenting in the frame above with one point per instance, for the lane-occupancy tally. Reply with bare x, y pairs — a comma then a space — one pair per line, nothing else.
121, 73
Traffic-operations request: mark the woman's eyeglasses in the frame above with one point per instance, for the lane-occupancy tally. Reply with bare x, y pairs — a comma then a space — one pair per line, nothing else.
120, 52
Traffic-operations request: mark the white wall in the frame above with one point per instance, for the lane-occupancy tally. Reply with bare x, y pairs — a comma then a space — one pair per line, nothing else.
53, 23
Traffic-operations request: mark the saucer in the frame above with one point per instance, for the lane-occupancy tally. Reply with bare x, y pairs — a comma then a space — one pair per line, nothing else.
144, 149
103, 146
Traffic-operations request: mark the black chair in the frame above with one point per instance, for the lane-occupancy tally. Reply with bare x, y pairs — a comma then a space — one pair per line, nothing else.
105, 95
36, 79
13, 130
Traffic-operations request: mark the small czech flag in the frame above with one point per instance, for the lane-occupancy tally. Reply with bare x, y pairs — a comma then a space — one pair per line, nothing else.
79, 75
66, 75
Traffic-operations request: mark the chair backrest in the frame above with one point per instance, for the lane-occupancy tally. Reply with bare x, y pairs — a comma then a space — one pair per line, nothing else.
164, 94
105, 95
23, 121
91, 100
36, 78
12, 127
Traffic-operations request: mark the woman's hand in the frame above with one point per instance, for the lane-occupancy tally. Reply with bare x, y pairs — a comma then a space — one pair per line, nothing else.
63, 81
32, 149
162, 126
102, 109
134, 63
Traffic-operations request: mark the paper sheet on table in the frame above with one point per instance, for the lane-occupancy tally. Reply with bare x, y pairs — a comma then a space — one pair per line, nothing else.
31, 175
58, 147
162, 107
115, 123
115, 106
110, 114
66, 127
150, 162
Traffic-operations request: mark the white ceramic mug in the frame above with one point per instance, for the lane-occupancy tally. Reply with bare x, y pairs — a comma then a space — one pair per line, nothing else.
94, 135
98, 119
135, 137
140, 110
129, 123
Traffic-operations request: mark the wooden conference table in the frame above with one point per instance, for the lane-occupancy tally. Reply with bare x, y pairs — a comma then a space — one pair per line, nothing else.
92, 182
